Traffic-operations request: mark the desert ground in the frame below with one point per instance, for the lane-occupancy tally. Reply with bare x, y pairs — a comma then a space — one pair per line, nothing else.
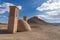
39, 32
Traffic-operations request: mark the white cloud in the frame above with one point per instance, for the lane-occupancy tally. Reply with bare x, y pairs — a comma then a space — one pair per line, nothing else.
51, 9
19, 7
5, 7
53, 13
50, 5
48, 18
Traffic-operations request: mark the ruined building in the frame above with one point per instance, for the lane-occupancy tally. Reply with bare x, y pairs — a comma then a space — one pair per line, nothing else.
14, 24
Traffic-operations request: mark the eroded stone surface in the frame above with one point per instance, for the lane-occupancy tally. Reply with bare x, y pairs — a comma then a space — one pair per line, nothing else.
25, 18
13, 19
23, 26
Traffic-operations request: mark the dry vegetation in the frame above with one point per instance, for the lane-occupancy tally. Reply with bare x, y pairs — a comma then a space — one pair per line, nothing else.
39, 32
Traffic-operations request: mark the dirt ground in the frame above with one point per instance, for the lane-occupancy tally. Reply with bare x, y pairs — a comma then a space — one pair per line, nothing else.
39, 32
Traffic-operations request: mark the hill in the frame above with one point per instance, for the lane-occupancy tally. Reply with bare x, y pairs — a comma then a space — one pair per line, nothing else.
36, 20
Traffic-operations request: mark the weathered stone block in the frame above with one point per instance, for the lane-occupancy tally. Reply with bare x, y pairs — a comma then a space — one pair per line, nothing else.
13, 19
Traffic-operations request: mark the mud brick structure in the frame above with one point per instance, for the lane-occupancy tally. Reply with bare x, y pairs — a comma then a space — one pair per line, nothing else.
13, 19
23, 26
25, 18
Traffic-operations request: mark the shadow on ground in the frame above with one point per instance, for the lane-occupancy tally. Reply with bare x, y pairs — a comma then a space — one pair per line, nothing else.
4, 31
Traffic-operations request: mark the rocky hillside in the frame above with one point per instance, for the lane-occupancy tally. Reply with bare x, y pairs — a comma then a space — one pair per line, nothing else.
36, 20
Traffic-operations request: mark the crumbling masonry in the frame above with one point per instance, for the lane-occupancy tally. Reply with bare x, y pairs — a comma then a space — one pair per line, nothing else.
14, 24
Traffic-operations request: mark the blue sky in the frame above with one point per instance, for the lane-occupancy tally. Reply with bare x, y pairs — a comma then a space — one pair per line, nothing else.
30, 8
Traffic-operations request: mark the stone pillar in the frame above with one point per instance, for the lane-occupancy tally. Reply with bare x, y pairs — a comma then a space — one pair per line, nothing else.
13, 19
25, 18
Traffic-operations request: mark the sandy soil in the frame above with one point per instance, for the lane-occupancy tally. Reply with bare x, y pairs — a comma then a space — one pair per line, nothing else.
40, 32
